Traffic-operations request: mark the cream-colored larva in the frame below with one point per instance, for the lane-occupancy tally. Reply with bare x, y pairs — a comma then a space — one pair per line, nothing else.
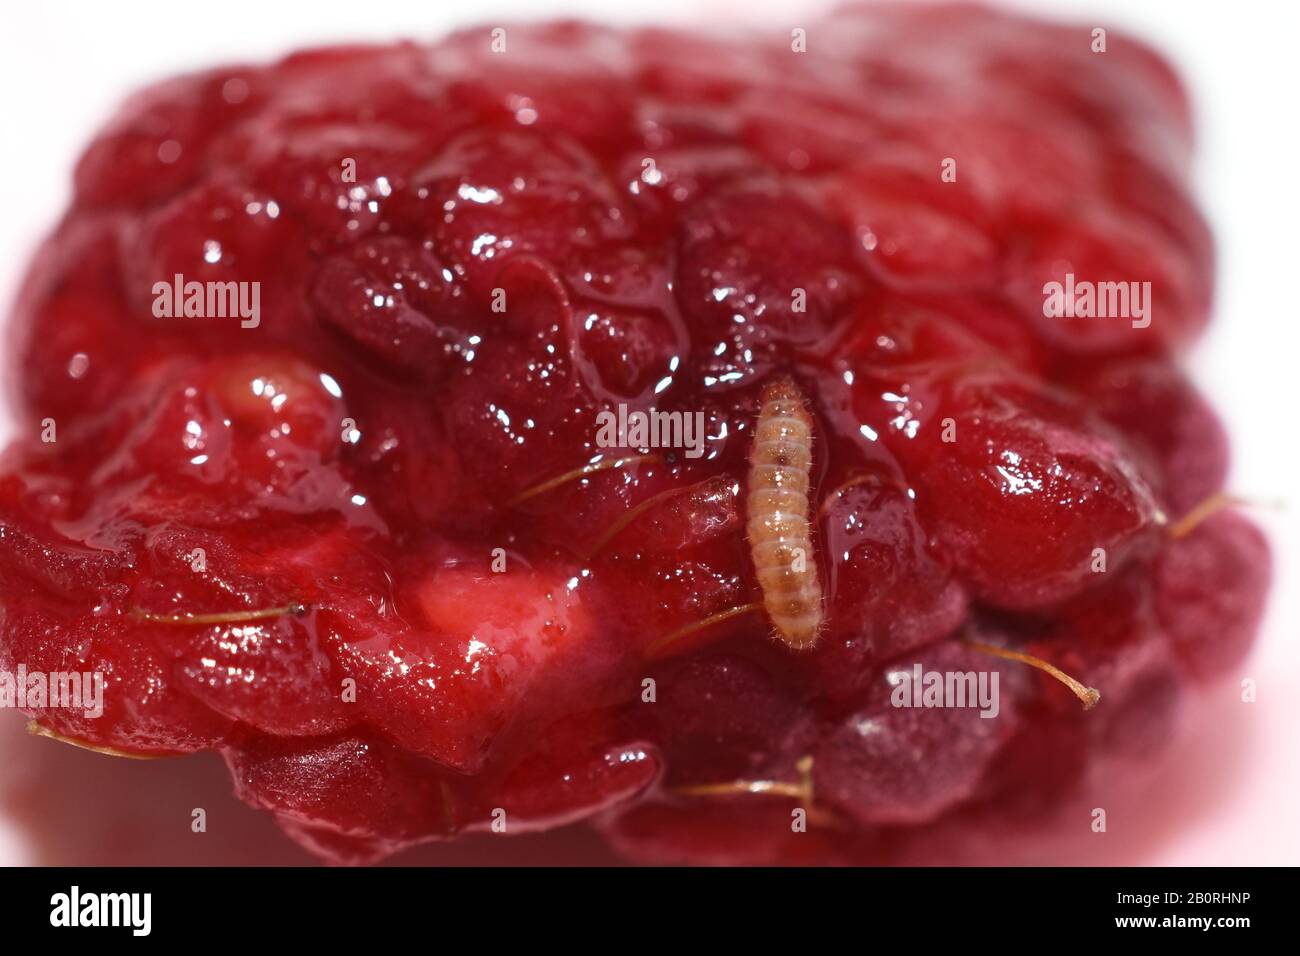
778, 524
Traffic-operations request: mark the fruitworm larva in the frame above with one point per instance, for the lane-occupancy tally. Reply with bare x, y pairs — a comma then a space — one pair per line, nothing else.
778, 526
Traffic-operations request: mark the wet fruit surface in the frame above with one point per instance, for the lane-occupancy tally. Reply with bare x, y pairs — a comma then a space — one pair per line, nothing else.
364, 525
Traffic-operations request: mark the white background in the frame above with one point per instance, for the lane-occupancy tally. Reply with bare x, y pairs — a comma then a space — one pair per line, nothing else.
64, 66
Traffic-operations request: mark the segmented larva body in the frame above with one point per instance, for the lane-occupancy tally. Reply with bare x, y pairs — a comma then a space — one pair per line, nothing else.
778, 525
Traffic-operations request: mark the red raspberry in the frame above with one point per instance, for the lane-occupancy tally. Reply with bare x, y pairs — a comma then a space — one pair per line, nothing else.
376, 549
